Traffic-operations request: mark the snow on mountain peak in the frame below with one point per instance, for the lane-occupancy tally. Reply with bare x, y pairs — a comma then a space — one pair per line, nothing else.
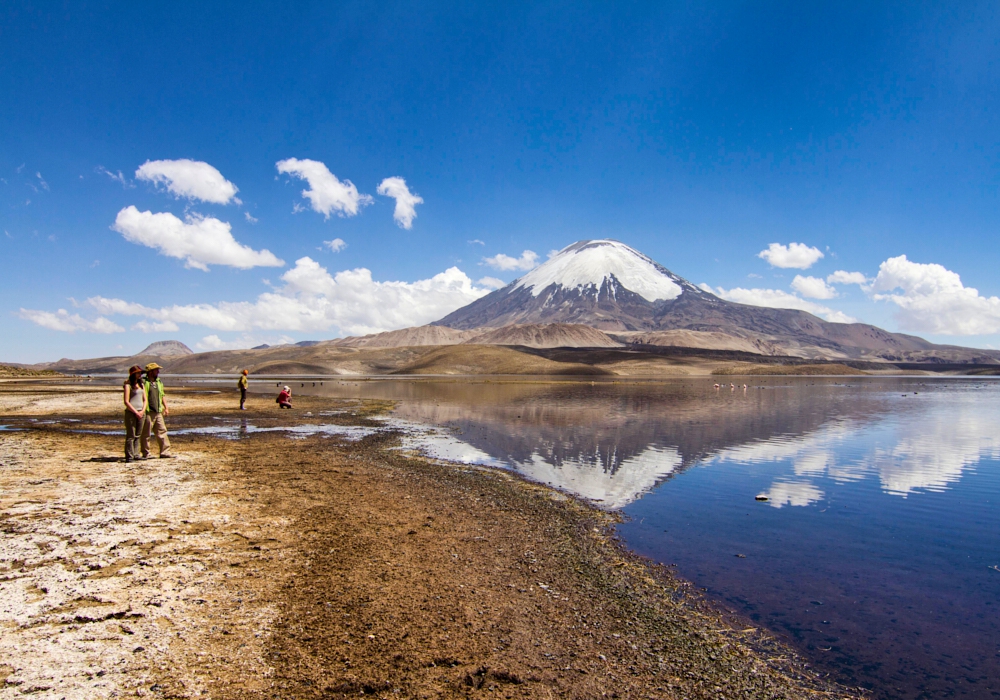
588, 263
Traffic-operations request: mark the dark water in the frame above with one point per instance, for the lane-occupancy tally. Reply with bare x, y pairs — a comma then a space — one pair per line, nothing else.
877, 554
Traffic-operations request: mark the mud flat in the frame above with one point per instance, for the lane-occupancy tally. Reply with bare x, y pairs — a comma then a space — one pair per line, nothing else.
324, 562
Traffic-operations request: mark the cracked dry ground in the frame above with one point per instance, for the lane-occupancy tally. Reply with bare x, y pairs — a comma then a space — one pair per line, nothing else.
270, 567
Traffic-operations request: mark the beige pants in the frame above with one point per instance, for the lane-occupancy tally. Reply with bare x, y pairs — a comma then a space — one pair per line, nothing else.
154, 423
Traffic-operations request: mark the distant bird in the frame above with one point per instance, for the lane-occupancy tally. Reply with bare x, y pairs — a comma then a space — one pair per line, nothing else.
716, 385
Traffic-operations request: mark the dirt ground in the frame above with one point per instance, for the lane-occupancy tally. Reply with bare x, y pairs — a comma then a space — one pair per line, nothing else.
276, 564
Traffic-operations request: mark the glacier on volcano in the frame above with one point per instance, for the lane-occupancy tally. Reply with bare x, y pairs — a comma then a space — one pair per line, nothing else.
588, 264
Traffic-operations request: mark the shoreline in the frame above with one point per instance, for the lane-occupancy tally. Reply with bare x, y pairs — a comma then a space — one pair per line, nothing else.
319, 567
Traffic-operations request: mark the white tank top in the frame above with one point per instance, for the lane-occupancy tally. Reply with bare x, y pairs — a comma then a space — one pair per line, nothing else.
136, 397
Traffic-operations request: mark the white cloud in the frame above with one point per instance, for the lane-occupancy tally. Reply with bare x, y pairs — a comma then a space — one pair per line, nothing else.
327, 194
527, 261
844, 277
491, 282
244, 341
314, 300
406, 202
61, 320
476, 241
42, 182
117, 177
797, 255
336, 245
192, 179
932, 299
250, 219
199, 241
154, 327
813, 287
777, 299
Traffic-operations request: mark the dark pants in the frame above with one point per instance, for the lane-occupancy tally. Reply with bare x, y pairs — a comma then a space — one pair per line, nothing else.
285, 404
243, 396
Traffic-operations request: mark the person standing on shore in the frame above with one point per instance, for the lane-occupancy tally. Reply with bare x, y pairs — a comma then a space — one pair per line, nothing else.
135, 409
156, 411
243, 383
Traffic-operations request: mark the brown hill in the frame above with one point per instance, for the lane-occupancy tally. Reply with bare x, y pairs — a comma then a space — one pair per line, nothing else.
416, 336
490, 359
546, 335
709, 340
166, 348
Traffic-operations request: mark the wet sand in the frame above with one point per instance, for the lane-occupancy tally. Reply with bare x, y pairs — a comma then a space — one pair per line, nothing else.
273, 566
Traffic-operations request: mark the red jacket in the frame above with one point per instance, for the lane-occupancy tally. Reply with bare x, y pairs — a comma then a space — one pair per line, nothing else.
283, 397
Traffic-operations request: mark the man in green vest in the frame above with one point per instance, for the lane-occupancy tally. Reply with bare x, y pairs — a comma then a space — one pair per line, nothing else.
156, 410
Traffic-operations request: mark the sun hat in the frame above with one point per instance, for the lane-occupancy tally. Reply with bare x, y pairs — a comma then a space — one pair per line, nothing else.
287, 389
134, 369
151, 366
246, 371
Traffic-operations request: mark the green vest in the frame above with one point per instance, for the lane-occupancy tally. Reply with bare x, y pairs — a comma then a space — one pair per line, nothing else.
158, 394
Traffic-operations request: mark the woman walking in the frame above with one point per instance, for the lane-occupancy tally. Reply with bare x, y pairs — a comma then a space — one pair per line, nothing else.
134, 395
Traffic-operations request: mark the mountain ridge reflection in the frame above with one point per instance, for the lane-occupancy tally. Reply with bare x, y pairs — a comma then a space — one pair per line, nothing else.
613, 443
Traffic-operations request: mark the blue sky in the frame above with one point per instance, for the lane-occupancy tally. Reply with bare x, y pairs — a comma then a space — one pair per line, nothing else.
700, 134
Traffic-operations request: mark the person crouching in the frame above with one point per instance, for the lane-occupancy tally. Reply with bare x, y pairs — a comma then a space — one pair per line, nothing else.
284, 399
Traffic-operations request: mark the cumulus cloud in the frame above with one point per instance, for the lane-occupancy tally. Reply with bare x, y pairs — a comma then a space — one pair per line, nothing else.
191, 179
777, 299
491, 283
326, 194
527, 261
813, 287
406, 202
844, 277
336, 245
312, 299
198, 241
154, 327
932, 299
62, 320
795, 255
244, 341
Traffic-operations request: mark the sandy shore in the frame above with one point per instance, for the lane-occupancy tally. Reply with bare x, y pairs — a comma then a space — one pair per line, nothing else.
310, 565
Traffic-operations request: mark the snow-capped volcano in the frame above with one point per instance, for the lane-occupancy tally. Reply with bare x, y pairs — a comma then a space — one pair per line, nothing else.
609, 286
588, 265
604, 284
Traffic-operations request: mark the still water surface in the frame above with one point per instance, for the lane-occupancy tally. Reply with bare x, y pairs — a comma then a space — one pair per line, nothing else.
877, 553
874, 552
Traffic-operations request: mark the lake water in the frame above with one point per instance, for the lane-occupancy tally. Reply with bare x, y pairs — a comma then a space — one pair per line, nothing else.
873, 555
877, 553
